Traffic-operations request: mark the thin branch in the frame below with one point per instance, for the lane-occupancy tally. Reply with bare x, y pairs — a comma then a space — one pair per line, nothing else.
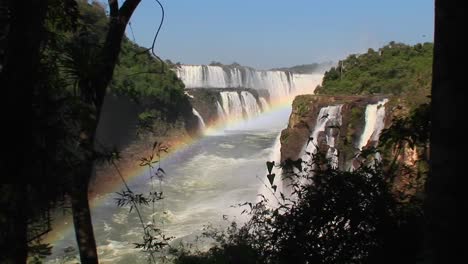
159, 28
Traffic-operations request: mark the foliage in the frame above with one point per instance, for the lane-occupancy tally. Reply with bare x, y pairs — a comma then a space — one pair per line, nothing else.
413, 129
153, 238
331, 216
396, 69
71, 36
327, 215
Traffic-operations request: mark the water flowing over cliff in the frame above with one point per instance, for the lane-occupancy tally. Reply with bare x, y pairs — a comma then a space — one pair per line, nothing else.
340, 126
279, 84
375, 114
220, 106
200, 118
328, 122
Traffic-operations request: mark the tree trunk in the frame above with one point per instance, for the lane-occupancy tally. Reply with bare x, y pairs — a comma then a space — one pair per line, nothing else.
82, 220
446, 97
13, 236
81, 212
17, 79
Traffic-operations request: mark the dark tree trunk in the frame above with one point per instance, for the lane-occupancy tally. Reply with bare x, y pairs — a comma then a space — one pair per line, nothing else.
445, 137
81, 212
82, 221
17, 78
13, 236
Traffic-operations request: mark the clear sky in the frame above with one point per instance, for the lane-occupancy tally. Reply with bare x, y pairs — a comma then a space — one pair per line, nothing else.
272, 33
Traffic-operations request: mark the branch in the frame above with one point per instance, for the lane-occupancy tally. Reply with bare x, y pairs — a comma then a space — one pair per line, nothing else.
127, 8
111, 49
114, 7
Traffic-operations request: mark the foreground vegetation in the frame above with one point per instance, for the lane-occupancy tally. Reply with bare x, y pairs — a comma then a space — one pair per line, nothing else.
330, 215
63, 55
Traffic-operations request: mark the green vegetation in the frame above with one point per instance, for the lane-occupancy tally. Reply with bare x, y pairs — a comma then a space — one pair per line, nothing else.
305, 68
395, 69
301, 104
331, 215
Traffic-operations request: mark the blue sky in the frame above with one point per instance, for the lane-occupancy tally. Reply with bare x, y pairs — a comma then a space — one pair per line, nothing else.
272, 33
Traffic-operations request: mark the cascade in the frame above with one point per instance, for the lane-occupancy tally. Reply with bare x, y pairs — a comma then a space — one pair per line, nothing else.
220, 111
327, 119
380, 118
249, 104
264, 104
279, 84
235, 105
232, 104
374, 117
200, 118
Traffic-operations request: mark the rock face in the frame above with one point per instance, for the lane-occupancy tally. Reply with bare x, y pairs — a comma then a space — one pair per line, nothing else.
338, 132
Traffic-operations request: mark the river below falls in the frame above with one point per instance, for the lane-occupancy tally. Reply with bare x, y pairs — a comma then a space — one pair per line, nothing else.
202, 186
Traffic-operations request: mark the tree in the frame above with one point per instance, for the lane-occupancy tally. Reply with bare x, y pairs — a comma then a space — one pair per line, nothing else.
21, 58
441, 199
93, 93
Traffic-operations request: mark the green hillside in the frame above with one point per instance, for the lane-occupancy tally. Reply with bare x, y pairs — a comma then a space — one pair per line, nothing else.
395, 69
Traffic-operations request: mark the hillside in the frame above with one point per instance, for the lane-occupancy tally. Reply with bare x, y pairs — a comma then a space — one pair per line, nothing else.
395, 69
306, 68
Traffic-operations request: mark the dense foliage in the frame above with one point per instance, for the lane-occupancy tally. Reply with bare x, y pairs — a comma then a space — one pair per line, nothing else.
138, 74
395, 69
330, 216
65, 110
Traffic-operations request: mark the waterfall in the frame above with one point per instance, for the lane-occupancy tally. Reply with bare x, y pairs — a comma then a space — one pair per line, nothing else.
380, 118
375, 114
235, 105
220, 111
201, 123
328, 120
232, 104
264, 104
249, 104
279, 84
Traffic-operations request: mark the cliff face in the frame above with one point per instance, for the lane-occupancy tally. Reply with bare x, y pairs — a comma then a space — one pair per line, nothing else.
304, 117
356, 125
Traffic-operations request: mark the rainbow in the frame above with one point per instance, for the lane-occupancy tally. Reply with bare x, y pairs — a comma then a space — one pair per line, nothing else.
63, 225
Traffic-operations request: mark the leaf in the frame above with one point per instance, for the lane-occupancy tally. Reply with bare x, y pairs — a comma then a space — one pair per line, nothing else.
271, 178
298, 164
270, 165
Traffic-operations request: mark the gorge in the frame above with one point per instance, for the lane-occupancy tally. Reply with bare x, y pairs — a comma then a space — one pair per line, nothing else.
243, 127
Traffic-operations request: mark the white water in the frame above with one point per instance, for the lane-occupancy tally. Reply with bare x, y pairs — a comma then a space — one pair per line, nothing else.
328, 116
203, 180
375, 114
220, 111
249, 103
200, 118
264, 104
280, 84
232, 104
